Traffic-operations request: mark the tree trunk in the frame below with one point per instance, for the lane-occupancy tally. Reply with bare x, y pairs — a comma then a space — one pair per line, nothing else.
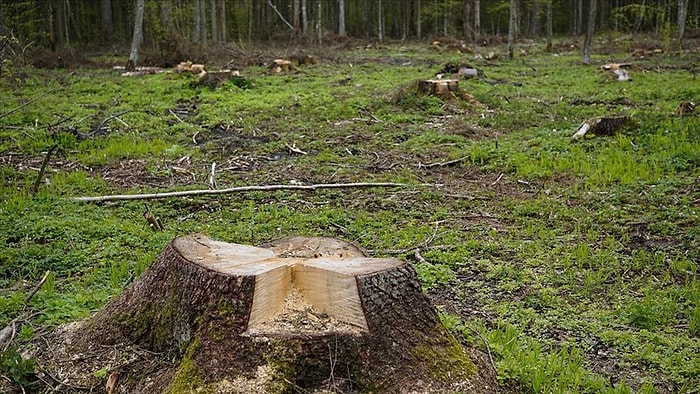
513, 18
306, 314
535, 24
214, 19
380, 22
319, 24
550, 24
137, 37
589, 33
682, 15
196, 23
106, 8
341, 19
166, 17
477, 19
418, 20
296, 18
203, 20
222, 21
304, 19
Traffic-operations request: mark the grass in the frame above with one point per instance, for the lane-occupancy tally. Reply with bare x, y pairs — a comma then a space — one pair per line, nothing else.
577, 262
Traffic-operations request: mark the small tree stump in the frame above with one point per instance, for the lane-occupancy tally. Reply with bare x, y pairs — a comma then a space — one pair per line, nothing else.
300, 314
447, 89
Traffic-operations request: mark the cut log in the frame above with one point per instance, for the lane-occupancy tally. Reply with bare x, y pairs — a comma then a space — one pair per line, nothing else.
280, 66
301, 314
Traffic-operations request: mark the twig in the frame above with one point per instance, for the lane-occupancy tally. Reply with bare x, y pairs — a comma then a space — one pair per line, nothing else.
419, 257
486, 343
176, 117
497, 179
444, 163
27, 103
40, 176
185, 193
194, 137
37, 287
294, 149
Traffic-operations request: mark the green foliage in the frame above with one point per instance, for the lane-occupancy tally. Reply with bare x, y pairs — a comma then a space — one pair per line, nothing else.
19, 370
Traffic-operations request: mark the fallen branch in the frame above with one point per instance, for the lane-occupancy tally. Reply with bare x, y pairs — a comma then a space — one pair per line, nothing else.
185, 193
37, 287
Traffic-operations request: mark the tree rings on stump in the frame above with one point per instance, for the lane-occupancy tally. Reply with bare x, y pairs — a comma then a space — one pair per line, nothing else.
299, 315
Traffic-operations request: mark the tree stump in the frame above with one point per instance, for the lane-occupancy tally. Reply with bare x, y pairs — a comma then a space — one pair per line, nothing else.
299, 315
446, 89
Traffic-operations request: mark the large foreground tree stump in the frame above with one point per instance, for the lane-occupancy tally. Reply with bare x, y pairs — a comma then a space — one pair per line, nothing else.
300, 315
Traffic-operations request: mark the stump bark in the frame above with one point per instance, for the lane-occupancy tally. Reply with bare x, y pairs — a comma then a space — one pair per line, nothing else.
299, 315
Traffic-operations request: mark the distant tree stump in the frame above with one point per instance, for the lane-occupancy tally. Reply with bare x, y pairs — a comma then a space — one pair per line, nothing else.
300, 315
447, 89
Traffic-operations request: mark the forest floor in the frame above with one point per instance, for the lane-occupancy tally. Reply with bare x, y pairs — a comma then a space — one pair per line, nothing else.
574, 263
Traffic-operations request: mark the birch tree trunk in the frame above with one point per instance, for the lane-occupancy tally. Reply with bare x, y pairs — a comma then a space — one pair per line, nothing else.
137, 38
511, 27
341, 18
589, 33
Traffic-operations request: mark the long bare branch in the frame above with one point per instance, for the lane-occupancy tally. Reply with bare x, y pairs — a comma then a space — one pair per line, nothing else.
185, 193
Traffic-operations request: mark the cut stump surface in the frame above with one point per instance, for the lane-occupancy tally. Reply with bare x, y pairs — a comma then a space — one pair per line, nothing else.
304, 314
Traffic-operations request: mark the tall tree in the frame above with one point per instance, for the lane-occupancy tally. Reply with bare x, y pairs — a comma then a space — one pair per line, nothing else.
512, 26
203, 28
106, 8
589, 32
137, 37
341, 18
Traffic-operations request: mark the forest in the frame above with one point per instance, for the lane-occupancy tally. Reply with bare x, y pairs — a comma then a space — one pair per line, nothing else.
86, 24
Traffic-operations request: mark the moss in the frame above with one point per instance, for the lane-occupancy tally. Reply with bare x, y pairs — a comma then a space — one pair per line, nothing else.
444, 357
188, 379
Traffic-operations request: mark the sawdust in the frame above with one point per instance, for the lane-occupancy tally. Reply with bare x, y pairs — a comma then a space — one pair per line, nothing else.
297, 316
